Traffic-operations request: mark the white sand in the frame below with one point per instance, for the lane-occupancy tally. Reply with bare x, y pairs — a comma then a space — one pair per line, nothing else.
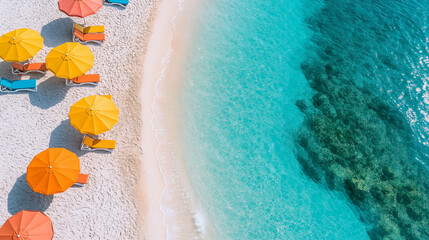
107, 207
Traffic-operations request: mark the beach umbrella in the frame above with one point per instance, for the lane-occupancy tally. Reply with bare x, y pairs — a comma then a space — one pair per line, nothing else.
27, 225
53, 171
94, 114
70, 60
20, 45
79, 8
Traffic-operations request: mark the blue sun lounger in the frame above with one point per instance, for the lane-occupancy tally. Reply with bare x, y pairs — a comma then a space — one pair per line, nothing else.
17, 85
121, 3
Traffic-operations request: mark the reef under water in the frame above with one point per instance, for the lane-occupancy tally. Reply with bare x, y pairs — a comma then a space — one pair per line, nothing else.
354, 138
355, 142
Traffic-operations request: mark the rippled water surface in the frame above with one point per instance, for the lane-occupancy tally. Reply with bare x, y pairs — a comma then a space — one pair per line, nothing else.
308, 119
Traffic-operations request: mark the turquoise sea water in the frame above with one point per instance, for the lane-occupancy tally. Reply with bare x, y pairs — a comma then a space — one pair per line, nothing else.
306, 119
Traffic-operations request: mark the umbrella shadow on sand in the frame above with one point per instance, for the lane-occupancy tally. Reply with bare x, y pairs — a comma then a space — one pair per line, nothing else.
49, 93
22, 197
6, 72
66, 136
57, 32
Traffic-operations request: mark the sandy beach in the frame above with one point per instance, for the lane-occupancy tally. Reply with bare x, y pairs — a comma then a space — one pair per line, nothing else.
114, 204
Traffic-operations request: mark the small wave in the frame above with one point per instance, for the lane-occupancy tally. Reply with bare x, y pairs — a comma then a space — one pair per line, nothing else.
200, 222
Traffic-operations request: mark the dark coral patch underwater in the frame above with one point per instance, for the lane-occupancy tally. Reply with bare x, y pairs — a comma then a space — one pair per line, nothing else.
355, 138
354, 142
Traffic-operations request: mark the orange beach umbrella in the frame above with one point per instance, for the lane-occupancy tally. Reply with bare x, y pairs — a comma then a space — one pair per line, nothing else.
53, 171
27, 225
79, 8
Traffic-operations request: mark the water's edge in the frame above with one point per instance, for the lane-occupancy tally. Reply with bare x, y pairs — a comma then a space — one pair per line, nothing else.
177, 202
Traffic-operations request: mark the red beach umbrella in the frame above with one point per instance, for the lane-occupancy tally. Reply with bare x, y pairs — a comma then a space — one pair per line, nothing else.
27, 225
80, 8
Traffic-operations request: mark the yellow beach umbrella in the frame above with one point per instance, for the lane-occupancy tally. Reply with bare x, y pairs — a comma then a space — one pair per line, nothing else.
94, 114
20, 45
70, 60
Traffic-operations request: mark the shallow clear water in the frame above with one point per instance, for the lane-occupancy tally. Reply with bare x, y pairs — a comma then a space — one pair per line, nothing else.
244, 77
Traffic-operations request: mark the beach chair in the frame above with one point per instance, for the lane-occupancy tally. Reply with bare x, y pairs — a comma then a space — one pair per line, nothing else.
81, 37
90, 144
18, 68
90, 29
82, 179
87, 79
18, 85
120, 3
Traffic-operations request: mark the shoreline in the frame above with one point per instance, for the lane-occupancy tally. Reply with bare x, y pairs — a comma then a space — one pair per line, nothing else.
151, 181
162, 170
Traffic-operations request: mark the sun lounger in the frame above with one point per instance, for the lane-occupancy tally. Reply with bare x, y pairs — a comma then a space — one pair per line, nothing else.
82, 179
90, 29
87, 79
18, 68
80, 37
121, 3
18, 85
90, 144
